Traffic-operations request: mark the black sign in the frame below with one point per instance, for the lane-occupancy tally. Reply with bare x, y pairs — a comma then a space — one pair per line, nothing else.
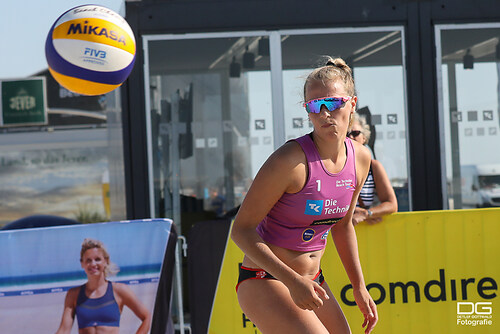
392, 118
487, 115
472, 116
260, 124
297, 123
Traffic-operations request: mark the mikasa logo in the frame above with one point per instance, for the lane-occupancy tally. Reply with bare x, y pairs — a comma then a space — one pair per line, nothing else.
96, 30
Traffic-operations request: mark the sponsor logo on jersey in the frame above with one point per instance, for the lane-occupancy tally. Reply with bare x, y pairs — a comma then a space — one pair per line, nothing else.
308, 234
313, 207
328, 221
351, 186
348, 184
335, 210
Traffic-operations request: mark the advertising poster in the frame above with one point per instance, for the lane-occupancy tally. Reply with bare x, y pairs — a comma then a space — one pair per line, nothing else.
23, 102
430, 272
38, 267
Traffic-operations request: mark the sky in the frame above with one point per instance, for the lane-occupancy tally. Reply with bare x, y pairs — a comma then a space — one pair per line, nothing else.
24, 25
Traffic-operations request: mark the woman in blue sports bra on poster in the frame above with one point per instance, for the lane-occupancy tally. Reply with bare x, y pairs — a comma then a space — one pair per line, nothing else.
98, 303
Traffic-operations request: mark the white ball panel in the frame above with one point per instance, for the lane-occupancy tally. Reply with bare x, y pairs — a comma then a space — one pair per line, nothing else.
92, 56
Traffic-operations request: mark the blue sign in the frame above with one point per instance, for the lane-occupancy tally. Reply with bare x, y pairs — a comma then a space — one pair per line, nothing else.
314, 207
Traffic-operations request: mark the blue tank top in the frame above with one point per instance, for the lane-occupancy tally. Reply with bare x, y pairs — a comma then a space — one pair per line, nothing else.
103, 311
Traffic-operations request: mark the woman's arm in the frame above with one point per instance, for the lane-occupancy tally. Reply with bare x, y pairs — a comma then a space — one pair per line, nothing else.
385, 193
68, 316
344, 236
129, 299
284, 171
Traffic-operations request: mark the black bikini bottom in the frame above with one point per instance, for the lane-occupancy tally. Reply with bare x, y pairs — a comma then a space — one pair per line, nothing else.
253, 273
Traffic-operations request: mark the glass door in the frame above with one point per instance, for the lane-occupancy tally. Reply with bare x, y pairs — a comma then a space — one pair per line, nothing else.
210, 128
211, 122
468, 67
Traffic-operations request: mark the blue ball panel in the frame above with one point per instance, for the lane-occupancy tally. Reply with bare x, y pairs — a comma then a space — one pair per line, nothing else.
60, 65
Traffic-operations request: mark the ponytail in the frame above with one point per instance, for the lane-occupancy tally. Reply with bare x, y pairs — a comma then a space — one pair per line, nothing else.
334, 69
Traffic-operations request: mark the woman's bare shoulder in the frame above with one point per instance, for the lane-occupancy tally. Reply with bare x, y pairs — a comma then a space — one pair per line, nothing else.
72, 295
121, 288
362, 153
288, 155
377, 165
282, 172
74, 291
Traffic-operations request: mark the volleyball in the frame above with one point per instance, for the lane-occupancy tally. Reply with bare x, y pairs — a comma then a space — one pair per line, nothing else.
90, 50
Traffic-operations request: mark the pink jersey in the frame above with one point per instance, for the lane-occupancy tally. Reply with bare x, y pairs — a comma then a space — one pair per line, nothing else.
302, 221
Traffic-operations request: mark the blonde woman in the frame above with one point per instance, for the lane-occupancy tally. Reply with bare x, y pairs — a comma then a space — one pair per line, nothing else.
377, 182
305, 190
98, 303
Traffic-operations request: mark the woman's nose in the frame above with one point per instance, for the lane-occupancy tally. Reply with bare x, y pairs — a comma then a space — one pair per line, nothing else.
325, 110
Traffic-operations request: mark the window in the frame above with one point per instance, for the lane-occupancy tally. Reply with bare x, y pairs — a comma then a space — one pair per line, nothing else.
211, 122
376, 56
468, 67
70, 166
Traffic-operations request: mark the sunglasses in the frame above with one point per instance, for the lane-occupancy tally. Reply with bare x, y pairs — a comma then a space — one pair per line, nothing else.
331, 103
353, 133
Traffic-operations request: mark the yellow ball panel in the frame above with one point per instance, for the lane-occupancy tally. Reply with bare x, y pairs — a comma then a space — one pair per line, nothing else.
95, 30
81, 86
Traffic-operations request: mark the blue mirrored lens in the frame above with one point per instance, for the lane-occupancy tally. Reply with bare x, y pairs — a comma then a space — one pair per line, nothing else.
331, 104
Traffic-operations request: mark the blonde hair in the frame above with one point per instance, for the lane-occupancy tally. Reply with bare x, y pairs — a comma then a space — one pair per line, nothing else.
365, 127
333, 70
111, 269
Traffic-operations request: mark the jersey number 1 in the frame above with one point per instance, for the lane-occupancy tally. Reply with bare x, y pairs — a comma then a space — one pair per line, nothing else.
319, 184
